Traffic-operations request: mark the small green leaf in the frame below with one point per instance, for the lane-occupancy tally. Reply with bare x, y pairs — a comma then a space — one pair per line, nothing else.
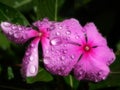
10, 73
12, 15
71, 81
42, 75
4, 43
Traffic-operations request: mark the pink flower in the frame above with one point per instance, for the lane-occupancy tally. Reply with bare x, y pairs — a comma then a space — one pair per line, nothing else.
57, 39
21, 34
95, 56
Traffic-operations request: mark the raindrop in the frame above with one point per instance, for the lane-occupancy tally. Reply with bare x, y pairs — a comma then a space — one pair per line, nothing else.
52, 27
19, 28
16, 35
58, 33
103, 77
32, 45
10, 32
62, 58
46, 60
31, 58
27, 53
68, 32
55, 41
72, 56
60, 27
47, 51
77, 37
32, 69
6, 24
14, 27
64, 51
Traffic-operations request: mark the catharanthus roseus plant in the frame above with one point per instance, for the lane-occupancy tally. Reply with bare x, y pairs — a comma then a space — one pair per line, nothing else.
66, 46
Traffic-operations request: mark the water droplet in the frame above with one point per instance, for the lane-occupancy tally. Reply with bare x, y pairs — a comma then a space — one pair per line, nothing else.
32, 69
27, 53
64, 51
31, 58
52, 27
65, 45
56, 41
10, 32
47, 51
72, 56
58, 33
62, 58
68, 32
77, 37
60, 27
6, 24
16, 35
14, 27
32, 45
46, 60
19, 28
103, 77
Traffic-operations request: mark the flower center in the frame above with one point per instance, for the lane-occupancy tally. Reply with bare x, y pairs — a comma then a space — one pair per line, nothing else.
87, 48
40, 34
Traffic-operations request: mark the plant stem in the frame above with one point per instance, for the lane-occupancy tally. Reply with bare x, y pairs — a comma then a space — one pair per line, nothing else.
56, 7
71, 81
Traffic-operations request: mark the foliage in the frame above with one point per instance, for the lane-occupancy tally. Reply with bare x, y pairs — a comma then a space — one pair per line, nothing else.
105, 15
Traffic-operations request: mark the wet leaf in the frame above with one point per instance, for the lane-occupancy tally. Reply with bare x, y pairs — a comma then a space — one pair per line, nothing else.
12, 15
42, 75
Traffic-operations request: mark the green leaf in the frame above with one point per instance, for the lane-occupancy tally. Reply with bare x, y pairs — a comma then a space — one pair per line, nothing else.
42, 75
113, 79
12, 15
47, 8
10, 73
71, 81
4, 43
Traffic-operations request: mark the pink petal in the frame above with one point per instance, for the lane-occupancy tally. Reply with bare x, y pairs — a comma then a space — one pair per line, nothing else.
17, 33
69, 29
60, 57
61, 50
104, 54
94, 36
30, 60
45, 23
91, 69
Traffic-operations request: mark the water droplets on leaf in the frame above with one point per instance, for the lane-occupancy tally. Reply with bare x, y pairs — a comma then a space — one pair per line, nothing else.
32, 69
56, 41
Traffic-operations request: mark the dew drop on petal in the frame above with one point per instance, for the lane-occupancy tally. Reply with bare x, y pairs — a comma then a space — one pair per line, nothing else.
46, 60
64, 51
31, 58
72, 56
68, 32
16, 35
77, 37
58, 33
62, 58
32, 69
13, 27
60, 27
55, 41
6, 24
